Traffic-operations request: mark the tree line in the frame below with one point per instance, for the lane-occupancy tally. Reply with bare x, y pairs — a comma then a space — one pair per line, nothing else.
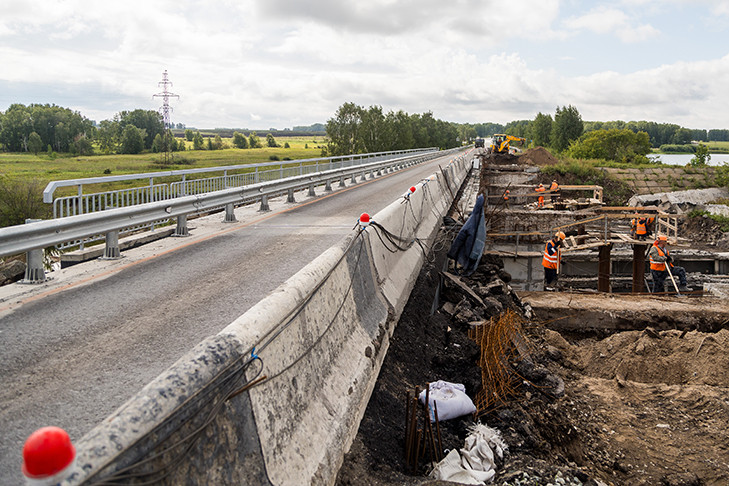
539, 129
354, 129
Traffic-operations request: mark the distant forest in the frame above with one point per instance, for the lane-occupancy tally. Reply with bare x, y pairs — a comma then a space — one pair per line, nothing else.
49, 128
659, 133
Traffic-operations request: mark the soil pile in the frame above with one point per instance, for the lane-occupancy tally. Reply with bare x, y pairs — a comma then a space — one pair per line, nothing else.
537, 156
705, 233
638, 407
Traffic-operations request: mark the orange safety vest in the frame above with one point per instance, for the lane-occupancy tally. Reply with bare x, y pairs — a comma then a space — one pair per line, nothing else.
554, 186
640, 229
541, 198
658, 266
550, 260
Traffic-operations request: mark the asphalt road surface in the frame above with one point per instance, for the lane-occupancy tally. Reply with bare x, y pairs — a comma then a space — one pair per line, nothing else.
77, 347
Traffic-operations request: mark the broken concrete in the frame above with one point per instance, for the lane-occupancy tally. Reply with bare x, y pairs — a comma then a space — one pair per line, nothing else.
679, 201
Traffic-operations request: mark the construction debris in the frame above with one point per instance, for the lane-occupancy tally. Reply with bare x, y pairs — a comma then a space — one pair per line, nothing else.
679, 201
585, 389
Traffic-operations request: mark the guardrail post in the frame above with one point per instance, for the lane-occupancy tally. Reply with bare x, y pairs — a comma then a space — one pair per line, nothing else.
291, 198
312, 193
181, 229
354, 179
264, 203
229, 214
328, 186
34, 271
341, 182
111, 248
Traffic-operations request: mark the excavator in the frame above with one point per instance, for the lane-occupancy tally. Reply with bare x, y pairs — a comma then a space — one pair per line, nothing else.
501, 142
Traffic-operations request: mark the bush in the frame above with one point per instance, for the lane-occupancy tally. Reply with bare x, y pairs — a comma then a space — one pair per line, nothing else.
273, 157
678, 149
21, 200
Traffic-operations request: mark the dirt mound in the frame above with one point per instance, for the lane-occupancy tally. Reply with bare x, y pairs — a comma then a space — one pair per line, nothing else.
704, 232
537, 156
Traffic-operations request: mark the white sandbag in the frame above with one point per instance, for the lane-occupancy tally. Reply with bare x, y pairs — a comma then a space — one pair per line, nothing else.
475, 464
451, 469
451, 399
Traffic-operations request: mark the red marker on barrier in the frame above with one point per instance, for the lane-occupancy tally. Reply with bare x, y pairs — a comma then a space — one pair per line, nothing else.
48, 456
364, 220
412, 189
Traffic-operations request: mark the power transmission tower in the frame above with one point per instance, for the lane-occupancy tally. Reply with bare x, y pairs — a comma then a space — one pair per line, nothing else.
165, 109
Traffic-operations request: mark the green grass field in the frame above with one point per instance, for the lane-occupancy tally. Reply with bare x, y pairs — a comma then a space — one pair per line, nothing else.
718, 147
43, 169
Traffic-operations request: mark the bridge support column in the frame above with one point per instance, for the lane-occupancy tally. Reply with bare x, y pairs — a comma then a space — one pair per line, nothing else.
603, 269
181, 229
111, 248
638, 268
34, 271
264, 204
229, 214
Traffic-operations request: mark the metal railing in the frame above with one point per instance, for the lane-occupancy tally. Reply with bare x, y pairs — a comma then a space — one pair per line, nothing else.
325, 163
88, 203
42, 234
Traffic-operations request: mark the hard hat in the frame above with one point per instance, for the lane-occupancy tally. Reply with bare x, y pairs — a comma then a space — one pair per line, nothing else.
541, 185
663, 237
560, 235
507, 191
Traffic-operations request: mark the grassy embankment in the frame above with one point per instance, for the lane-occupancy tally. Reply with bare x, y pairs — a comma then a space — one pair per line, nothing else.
42, 169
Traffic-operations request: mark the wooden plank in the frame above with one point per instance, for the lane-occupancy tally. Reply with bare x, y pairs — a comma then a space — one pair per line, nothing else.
585, 246
470, 293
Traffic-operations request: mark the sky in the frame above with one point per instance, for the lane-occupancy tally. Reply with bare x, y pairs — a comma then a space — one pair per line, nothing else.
259, 64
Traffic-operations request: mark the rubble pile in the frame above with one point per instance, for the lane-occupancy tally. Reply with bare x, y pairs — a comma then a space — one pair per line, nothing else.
426, 348
704, 232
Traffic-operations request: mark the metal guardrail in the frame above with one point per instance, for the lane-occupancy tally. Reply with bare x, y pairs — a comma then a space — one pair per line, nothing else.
87, 203
38, 235
331, 163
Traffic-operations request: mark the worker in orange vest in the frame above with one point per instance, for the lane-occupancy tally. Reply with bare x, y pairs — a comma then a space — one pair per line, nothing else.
554, 189
641, 228
633, 224
506, 199
659, 257
551, 260
540, 201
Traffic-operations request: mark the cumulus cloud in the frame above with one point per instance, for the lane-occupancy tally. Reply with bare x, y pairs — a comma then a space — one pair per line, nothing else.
280, 63
606, 20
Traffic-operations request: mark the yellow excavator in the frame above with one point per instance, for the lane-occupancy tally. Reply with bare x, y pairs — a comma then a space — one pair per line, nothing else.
501, 142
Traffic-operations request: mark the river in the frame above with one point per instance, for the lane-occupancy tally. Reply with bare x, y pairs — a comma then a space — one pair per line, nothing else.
683, 159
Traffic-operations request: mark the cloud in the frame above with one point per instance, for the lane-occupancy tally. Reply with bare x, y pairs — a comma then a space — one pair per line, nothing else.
605, 20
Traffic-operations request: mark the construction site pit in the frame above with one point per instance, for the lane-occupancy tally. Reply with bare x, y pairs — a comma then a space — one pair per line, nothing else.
584, 388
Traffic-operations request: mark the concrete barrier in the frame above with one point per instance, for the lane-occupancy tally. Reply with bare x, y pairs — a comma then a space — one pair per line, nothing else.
413, 223
277, 396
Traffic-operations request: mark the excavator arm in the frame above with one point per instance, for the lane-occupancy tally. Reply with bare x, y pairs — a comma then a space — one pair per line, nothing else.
501, 142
